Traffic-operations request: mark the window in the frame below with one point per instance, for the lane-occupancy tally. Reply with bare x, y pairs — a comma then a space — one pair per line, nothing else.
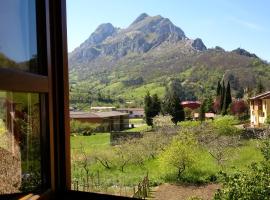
20, 148
18, 41
24, 98
34, 106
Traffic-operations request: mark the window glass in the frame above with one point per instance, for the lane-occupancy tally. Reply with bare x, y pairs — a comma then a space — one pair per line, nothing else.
20, 160
18, 35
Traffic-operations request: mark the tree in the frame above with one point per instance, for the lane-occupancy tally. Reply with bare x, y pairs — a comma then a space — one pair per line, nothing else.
156, 105
260, 87
208, 104
248, 185
222, 96
148, 109
172, 103
152, 107
174, 108
227, 99
239, 107
218, 146
202, 111
180, 154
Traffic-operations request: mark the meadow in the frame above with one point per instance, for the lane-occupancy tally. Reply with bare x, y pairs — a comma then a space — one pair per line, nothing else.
146, 156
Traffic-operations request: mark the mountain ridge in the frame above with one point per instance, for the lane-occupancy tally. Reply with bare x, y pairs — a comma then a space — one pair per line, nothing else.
151, 51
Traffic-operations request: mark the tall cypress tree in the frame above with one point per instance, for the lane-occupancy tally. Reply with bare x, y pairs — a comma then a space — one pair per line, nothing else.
222, 95
227, 99
156, 105
148, 109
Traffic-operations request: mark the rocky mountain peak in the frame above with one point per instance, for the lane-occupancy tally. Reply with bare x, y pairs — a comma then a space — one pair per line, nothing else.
198, 45
140, 18
100, 34
244, 52
144, 34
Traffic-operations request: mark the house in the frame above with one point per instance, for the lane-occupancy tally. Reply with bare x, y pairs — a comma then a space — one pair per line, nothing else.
259, 109
207, 115
110, 121
191, 104
133, 112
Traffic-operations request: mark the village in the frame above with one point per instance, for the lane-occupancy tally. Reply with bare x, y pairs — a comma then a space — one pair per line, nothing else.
145, 144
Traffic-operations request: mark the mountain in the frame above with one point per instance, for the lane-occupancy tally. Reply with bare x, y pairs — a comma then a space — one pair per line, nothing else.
120, 65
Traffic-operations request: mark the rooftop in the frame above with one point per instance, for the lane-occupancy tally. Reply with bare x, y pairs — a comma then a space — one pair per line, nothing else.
130, 109
265, 95
96, 114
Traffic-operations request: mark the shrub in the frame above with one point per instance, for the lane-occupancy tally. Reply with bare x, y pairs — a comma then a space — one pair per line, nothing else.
180, 154
189, 124
250, 185
265, 149
82, 128
225, 125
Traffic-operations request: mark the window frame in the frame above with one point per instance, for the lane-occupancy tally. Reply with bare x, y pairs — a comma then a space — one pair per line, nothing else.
52, 47
51, 85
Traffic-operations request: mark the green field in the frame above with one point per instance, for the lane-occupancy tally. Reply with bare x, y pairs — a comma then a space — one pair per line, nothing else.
101, 167
205, 166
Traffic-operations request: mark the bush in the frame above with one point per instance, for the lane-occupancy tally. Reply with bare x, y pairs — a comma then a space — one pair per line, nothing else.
180, 154
250, 185
82, 128
189, 124
224, 125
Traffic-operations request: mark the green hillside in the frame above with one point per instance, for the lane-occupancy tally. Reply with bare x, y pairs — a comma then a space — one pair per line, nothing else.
118, 66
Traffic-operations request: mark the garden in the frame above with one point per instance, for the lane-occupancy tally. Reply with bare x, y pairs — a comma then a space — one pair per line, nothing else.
191, 152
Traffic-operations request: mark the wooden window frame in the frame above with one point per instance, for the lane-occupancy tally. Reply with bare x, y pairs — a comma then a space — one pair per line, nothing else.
52, 34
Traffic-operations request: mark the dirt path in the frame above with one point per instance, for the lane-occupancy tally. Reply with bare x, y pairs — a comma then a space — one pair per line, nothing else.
182, 192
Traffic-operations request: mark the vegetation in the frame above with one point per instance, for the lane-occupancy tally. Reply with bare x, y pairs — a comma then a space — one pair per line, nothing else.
250, 184
172, 102
82, 128
179, 154
152, 107
206, 149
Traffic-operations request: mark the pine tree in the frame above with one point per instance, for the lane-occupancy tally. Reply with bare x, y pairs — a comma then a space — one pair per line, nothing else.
202, 111
227, 99
172, 106
156, 105
222, 96
148, 109
176, 109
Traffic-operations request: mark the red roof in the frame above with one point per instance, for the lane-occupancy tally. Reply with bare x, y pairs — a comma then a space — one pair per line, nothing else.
191, 104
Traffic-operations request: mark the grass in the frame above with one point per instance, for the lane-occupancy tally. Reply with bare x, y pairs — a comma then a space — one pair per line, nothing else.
204, 170
244, 155
98, 141
136, 121
142, 128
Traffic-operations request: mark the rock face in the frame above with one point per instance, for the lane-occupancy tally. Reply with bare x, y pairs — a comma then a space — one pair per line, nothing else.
244, 52
144, 34
198, 45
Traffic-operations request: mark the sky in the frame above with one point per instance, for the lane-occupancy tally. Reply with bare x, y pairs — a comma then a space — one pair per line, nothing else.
18, 34
226, 23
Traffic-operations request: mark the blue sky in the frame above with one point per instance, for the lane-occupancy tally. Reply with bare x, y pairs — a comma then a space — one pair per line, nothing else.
226, 23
